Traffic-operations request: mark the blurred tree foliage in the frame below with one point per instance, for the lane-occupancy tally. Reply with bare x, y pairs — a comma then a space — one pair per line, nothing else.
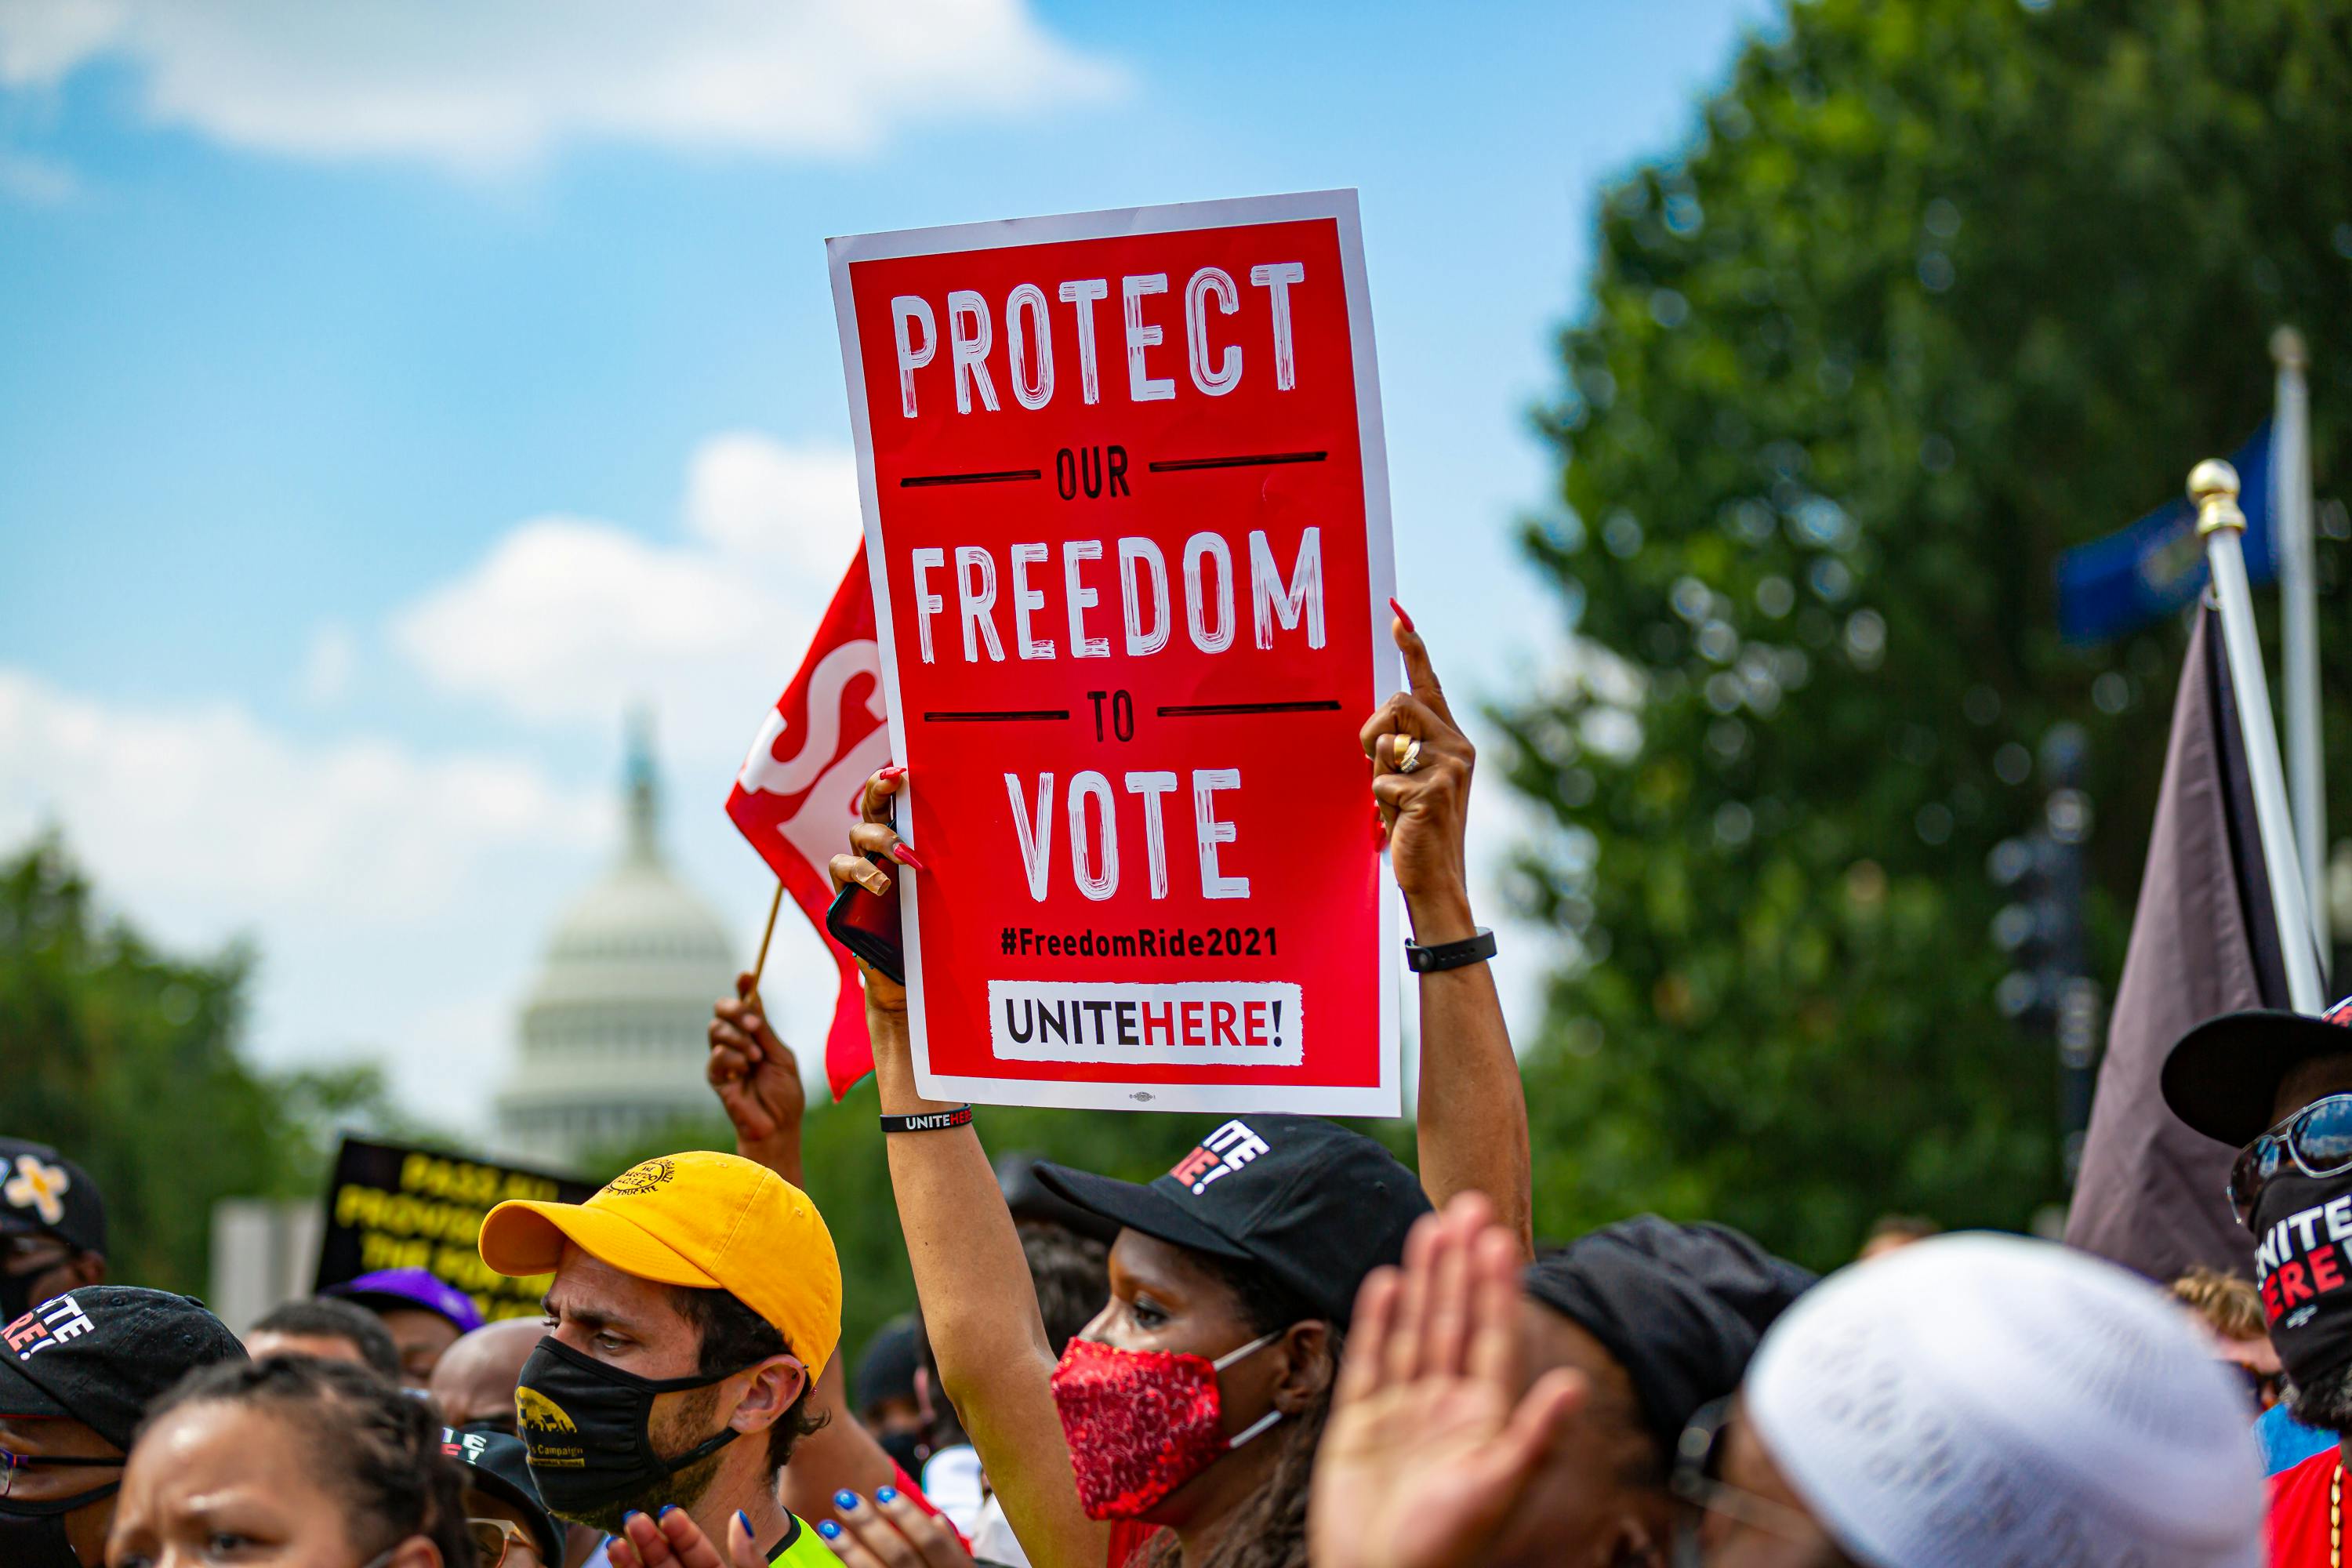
126, 1059
1938, 288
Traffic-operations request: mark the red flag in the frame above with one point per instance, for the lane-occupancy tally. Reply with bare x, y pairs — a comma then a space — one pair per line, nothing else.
796, 797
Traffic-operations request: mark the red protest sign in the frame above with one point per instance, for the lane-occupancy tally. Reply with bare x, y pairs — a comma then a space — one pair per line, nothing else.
1127, 520
796, 797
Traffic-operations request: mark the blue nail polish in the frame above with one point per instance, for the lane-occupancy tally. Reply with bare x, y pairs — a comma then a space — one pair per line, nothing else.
628, 1515
829, 1529
886, 1494
844, 1499
667, 1509
744, 1519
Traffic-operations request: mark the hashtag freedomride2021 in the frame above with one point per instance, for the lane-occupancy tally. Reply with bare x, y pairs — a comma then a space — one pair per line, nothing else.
1145, 941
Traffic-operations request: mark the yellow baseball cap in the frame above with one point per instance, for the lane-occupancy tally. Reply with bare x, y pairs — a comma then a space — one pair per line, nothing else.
707, 1220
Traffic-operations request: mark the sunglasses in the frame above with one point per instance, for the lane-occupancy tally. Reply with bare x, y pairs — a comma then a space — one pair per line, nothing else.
1695, 1479
2317, 1140
494, 1538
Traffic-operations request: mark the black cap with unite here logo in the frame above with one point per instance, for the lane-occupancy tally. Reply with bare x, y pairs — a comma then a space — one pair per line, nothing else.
1315, 1205
99, 1353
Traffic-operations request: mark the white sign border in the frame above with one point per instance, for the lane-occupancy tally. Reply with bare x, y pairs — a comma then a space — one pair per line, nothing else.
1334, 205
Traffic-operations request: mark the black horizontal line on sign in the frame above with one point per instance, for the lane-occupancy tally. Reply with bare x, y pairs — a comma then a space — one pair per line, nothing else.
917, 481
1246, 461
996, 716
1216, 709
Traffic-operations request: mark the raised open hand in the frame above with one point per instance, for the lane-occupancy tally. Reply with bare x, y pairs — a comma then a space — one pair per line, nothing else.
675, 1540
893, 1533
1430, 1444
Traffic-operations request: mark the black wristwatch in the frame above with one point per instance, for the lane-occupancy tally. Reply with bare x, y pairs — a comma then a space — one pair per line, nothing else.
1449, 955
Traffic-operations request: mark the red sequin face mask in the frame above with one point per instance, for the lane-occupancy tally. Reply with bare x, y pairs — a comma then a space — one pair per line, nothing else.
1142, 1422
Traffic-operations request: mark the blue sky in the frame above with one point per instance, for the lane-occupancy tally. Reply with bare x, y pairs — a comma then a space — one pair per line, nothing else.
390, 394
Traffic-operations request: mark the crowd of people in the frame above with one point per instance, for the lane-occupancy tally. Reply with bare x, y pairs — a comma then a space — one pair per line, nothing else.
1292, 1351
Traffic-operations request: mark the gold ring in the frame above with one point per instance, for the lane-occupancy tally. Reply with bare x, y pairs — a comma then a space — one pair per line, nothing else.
1410, 757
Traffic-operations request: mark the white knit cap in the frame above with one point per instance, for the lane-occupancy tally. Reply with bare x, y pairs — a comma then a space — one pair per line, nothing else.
1989, 1400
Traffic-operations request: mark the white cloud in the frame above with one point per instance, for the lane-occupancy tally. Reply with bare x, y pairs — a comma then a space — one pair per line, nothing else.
751, 495
491, 84
326, 677
395, 899
571, 619
180, 810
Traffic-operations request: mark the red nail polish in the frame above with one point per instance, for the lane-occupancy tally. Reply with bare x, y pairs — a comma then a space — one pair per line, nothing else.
1400, 614
906, 857
893, 771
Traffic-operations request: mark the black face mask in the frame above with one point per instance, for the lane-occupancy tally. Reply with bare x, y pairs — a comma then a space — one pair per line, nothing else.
907, 1450
587, 1432
2303, 1258
33, 1534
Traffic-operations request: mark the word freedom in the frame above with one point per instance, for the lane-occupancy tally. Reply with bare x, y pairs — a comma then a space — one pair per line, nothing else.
1216, 368
1206, 561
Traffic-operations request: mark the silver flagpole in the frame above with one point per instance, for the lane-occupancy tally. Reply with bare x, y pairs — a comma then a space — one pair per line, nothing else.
2213, 487
2299, 625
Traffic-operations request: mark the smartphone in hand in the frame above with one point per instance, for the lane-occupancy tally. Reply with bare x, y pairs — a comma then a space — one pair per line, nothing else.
867, 923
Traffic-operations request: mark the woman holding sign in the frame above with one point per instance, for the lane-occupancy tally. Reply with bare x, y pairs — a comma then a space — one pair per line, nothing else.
1181, 1428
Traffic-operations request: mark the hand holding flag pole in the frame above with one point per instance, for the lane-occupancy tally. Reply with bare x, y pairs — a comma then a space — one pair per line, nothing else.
2213, 487
759, 964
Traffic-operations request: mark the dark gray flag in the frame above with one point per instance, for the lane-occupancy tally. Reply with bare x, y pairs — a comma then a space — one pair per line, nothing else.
2204, 941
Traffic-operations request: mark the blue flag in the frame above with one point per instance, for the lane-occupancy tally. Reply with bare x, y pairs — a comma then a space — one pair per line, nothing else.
2156, 566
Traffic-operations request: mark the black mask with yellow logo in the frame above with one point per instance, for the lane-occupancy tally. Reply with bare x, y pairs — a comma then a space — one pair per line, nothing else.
587, 1432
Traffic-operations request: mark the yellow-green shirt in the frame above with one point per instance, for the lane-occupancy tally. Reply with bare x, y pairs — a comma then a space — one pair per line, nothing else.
802, 1548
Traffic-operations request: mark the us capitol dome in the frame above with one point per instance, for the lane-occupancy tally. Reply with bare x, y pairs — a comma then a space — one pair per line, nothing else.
613, 1029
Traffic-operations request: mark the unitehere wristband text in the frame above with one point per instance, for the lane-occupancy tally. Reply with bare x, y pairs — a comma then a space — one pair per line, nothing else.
929, 1120
1450, 954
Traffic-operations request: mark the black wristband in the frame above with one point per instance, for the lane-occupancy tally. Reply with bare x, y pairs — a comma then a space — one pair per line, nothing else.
1449, 955
929, 1120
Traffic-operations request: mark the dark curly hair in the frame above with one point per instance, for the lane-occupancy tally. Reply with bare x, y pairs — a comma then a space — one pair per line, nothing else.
331, 1318
733, 1337
368, 1444
1269, 1529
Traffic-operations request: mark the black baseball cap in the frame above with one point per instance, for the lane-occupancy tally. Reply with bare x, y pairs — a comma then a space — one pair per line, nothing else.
886, 1369
100, 1353
2224, 1075
495, 1463
1681, 1308
42, 1193
1314, 1205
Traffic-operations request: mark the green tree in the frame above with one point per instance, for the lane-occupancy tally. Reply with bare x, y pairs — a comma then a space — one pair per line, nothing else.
126, 1059
1936, 288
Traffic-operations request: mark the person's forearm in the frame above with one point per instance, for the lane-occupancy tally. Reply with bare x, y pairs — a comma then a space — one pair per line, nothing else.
781, 1153
969, 1271
980, 1314
1472, 1113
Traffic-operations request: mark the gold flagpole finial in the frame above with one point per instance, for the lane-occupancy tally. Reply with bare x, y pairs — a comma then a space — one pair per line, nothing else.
2286, 349
2213, 486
